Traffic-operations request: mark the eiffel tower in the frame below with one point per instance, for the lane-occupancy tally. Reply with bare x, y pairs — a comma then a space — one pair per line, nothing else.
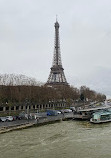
57, 76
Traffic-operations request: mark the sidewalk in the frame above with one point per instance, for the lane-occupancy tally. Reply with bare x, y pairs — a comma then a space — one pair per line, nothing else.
20, 124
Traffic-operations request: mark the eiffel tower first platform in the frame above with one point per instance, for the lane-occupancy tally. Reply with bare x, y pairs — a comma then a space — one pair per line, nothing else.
57, 76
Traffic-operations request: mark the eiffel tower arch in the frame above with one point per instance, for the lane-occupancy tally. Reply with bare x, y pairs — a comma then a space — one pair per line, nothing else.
57, 76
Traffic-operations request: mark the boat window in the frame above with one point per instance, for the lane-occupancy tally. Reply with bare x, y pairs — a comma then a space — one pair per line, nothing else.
95, 116
105, 117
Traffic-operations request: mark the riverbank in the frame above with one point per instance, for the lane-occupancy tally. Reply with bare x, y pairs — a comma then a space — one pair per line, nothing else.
21, 124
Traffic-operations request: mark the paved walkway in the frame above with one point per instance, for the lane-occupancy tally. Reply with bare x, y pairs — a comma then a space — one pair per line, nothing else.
42, 120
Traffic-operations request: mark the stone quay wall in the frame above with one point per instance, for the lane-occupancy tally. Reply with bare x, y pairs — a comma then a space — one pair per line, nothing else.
5, 108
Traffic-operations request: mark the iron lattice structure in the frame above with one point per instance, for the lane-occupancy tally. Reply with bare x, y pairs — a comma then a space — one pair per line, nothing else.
57, 76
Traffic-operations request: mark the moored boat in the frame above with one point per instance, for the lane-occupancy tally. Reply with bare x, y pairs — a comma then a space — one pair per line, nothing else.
101, 117
86, 113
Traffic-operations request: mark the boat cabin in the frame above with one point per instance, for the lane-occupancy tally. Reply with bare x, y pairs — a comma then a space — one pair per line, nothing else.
100, 117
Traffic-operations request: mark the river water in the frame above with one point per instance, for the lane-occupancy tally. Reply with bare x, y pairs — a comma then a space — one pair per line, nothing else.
66, 139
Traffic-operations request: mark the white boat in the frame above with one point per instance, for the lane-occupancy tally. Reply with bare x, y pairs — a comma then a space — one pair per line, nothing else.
101, 117
86, 113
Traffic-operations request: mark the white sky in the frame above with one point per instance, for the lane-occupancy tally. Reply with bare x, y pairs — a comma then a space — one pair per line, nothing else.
27, 39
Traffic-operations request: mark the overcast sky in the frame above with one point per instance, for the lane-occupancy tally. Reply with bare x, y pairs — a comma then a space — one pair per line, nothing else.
27, 40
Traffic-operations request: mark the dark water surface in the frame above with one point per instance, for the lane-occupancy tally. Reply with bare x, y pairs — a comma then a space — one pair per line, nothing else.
67, 139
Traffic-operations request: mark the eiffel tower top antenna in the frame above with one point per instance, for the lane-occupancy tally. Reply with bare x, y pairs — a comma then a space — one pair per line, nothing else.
56, 17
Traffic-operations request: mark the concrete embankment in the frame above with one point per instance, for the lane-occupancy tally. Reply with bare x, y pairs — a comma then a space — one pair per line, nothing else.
30, 123
15, 127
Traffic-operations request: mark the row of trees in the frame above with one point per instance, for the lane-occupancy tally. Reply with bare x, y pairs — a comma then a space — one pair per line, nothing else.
43, 94
87, 94
13, 79
19, 89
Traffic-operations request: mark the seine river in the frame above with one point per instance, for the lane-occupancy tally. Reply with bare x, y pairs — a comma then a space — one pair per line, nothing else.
66, 139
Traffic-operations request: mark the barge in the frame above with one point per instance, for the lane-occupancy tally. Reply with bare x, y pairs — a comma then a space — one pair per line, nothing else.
101, 117
87, 113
